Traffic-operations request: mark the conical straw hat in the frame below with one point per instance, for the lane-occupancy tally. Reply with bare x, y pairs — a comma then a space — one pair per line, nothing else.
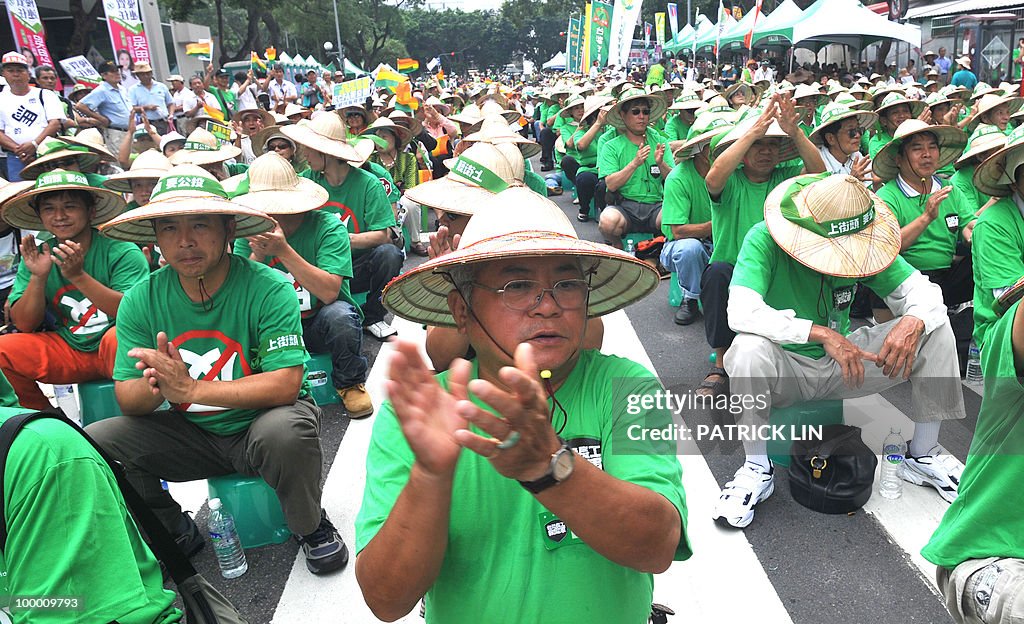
481, 171
202, 148
325, 134
274, 188
149, 165
19, 211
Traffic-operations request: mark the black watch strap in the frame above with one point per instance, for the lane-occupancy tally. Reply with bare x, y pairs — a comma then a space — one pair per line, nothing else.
539, 485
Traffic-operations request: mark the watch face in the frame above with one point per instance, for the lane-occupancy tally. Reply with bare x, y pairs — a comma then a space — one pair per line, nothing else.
563, 465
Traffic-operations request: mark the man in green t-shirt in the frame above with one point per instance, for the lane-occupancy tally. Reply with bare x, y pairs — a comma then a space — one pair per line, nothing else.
686, 217
634, 167
549, 458
553, 103
978, 547
358, 199
747, 164
789, 302
893, 110
311, 248
935, 218
69, 534
219, 337
75, 276
656, 74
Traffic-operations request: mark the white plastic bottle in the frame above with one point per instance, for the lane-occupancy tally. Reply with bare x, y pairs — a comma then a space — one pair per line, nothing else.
68, 402
894, 451
229, 551
974, 375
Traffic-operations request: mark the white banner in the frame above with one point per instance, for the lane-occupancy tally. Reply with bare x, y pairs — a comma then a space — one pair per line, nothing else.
352, 92
673, 19
80, 70
624, 20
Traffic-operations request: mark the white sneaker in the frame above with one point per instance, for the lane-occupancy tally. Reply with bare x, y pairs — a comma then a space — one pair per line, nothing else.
576, 201
751, 484
380, 330
938, 469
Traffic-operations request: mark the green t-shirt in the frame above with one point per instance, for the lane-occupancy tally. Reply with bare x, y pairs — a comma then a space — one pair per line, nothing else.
686, 199
588, 157
739, 207
360, 202
322, 241
610, 132
877, 142
118, 265
498, 536
655, 75
616, 155
536, 183
963, 180
997, 246
676, 129
566, 131
228, 98
982, 522
388, 182
254, 327
785, 284
935, 247
70, 534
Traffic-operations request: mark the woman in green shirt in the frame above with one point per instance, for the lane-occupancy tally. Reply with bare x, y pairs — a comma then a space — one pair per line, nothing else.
400, 164
583, 142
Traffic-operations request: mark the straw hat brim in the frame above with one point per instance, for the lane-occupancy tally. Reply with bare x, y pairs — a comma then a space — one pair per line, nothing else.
122, 182
1014, 103
595, 105
12, 189
916, 107
260, 138
991, 177
192, 157
136, 225
402, 134
690, 105
100, 150
690, 147
301, 134
268, 119
528, 147
33, 170
308, 195
448, 195
19, 212
443, 109
617, 280
865, 119
993, 142
658, 108
951, 145
415, 126
787, 149
854, 256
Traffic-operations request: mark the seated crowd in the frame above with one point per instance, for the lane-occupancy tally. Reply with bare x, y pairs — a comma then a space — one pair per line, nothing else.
202, 272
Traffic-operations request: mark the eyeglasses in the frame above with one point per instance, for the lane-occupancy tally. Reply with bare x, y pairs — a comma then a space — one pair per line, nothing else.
525, 295
279, 146
353, 114
640, 111
63, 163
853, 133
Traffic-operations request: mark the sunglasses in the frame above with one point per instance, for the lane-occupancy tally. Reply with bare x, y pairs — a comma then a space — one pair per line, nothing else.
278, 146
853, 133
640, 111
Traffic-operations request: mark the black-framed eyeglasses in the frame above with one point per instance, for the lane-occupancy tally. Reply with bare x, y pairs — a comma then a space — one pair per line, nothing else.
279, 146
854, 133
640, 111
525, 295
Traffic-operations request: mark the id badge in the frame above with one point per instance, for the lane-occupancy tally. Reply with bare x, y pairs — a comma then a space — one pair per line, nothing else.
842, 298
655, 171
953, 222
556, 533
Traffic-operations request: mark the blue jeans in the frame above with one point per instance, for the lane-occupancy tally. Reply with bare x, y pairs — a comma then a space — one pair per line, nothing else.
687, 258
336, 329
371, 273
14, 167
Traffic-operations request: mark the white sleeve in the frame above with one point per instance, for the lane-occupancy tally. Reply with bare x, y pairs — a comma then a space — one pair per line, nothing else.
749, 314
51, 105
917, 296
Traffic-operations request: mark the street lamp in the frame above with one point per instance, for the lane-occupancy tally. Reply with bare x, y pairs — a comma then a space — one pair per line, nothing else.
337, 34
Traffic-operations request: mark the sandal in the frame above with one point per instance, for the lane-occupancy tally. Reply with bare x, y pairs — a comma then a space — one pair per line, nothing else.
714, 388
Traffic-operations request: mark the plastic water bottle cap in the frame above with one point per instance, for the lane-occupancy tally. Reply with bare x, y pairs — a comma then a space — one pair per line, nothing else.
215, 503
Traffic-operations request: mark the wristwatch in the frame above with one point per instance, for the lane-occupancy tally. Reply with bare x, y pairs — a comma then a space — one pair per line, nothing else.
560, 469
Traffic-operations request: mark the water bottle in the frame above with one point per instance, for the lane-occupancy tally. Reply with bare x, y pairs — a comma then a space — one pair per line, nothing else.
894, 450
229, 551
630, 247
974, 365
67, 402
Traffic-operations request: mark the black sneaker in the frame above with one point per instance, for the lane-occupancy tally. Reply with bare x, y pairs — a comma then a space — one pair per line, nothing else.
323, 548
189, 538
687, 312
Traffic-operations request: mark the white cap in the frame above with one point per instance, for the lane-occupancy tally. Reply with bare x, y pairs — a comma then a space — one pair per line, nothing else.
214, 504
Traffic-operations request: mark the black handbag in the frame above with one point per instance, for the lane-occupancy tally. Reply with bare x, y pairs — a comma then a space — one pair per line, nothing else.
203, 603
832, 475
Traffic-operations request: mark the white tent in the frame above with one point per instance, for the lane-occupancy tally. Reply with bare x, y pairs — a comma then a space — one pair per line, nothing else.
556, 63
850, 23
771, 30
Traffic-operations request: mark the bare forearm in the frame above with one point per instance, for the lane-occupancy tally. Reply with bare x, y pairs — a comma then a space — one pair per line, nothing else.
104, 298
624, 522
259, 391
692, 230
912, 231
403, 560
813, 163
51, 129
135, 397
368, 240
726, 164
615, 181
589, 136
323, 285
28, 311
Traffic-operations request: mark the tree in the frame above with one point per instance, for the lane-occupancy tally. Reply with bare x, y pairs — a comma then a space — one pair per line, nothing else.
485, 38
83, 22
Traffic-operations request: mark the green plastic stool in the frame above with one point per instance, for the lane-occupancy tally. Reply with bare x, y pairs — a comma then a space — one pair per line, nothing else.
255, 508
360, 298
568, 185
318, 374
675, 292
99, 402
829, 412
